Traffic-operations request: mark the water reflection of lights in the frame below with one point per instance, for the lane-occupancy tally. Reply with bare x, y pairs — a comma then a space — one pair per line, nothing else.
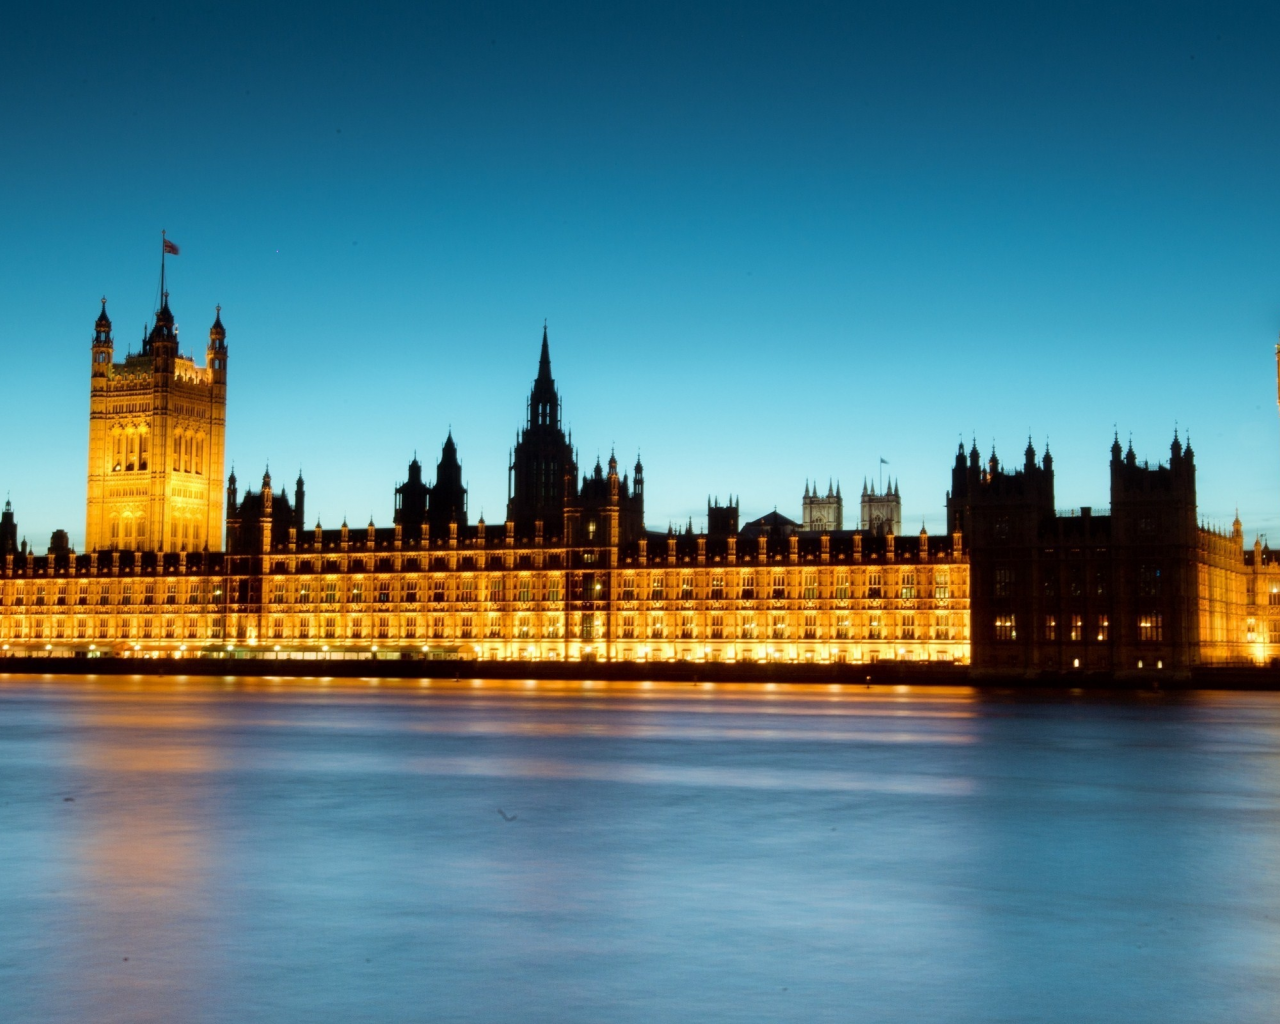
140, 847
773, 698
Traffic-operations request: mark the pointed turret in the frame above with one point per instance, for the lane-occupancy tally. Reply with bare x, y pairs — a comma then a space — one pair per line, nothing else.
217, 333
447, 501
162, 343
299, 502
103, 346
102, 326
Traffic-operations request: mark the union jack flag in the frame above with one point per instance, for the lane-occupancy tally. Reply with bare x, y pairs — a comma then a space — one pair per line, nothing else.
171, 247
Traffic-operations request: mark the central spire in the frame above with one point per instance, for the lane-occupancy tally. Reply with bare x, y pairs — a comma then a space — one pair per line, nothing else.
543, 471
544, 402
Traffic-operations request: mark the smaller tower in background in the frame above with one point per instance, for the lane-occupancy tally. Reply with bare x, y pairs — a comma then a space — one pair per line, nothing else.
822, 512
722, 520
882, 513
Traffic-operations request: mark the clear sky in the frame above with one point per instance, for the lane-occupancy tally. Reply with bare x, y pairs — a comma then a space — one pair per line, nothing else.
772, 241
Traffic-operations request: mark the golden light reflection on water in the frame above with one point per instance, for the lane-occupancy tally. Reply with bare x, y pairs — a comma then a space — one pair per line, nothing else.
849, 714
140, 684
685, 691
138, 849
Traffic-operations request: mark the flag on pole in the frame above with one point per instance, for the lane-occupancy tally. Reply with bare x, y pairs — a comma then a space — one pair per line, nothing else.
883, 461
171, 247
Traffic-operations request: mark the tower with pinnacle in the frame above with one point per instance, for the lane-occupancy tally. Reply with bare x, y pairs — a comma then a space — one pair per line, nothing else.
822, 512
543, 472
157, 423
882, 511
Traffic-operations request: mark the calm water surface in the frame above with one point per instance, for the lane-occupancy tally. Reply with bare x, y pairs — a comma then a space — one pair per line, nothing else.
216, 851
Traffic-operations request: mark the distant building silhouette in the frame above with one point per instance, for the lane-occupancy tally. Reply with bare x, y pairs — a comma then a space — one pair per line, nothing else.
881, 513
1138, 587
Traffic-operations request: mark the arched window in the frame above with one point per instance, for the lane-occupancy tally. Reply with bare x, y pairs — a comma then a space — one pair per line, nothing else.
144, 446
199, 455
186, 461
177, 452
131, 451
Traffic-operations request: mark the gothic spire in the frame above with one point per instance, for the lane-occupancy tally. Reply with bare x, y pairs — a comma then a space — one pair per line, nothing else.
544, 359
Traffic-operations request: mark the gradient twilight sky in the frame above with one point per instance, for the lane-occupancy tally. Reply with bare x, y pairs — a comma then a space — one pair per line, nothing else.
772, 241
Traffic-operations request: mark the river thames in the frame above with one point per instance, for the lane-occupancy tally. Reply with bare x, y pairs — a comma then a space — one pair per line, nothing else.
226, 850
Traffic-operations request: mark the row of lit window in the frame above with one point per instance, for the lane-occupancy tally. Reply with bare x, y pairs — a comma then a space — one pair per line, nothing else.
1150, 628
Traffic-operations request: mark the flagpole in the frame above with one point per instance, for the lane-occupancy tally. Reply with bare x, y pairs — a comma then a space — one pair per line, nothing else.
161, 268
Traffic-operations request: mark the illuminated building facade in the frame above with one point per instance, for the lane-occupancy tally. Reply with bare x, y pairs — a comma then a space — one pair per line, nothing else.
1015, 587
571, 574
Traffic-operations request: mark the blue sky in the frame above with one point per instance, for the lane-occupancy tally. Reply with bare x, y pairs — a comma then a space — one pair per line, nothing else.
771, 241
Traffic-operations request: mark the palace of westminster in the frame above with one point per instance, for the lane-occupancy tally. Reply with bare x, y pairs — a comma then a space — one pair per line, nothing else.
572, 573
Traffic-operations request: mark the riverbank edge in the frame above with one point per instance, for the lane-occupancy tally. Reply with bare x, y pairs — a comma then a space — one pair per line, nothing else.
879, 673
